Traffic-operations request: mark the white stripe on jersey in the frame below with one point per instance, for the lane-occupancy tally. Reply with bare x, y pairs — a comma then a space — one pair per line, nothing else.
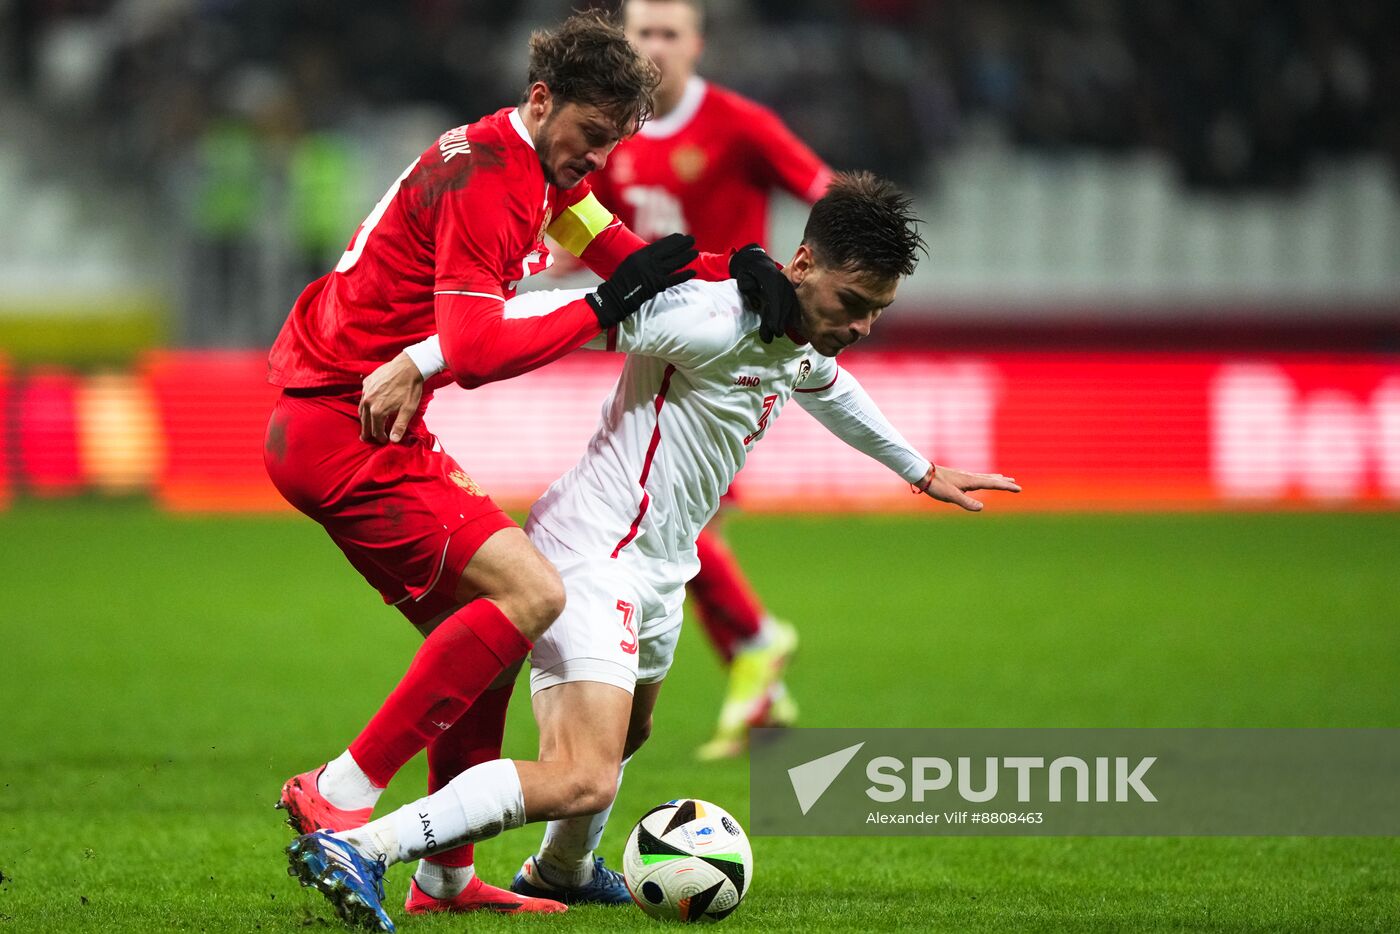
474, 294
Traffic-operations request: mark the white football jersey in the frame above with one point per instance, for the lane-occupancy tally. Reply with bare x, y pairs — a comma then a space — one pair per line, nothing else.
698, 390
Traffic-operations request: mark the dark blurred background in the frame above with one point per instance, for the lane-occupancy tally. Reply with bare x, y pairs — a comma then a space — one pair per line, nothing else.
1066, 151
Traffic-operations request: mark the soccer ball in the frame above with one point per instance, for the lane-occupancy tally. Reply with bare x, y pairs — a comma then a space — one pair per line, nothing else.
688, 860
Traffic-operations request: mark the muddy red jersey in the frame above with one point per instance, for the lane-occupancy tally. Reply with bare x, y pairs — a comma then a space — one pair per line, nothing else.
441, 251
708, 168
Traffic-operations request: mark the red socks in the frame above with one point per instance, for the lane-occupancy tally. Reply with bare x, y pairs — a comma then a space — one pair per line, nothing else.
727, 606
473, 739
455, 664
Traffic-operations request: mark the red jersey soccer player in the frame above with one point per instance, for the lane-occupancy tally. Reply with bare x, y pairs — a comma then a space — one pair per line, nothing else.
440, 253
707, 164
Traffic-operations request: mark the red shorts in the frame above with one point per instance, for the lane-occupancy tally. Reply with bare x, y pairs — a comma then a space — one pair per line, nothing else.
407, 516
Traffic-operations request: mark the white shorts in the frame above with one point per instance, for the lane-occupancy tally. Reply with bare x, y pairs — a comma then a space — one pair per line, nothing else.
616, 627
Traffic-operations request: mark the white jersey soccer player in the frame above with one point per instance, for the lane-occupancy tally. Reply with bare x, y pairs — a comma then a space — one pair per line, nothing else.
699, 389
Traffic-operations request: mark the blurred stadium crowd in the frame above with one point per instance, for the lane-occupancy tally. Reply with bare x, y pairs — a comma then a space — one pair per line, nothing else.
1240, 94
1057, 143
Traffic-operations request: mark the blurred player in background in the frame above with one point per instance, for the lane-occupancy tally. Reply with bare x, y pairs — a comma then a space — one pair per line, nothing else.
441, 252
707, 164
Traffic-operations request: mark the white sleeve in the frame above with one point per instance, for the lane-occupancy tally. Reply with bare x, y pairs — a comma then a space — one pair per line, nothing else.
427, 353
847, 411
546, 301
682, 325
427, 356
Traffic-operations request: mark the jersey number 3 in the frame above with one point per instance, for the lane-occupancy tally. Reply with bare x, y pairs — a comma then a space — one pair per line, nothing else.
768, 402
629, 645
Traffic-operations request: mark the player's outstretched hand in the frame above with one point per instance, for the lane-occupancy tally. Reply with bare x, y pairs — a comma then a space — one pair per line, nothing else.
394, 389
649, 270
952, 486
765, 289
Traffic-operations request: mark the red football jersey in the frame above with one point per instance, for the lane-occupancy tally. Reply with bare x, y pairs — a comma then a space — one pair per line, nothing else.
708, 169
441, 251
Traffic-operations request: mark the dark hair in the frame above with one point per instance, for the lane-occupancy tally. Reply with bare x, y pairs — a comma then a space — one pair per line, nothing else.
866, 224
588, 60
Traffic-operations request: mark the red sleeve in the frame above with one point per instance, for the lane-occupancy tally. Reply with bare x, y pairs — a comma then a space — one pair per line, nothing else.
481, 345
617, 242
782, 160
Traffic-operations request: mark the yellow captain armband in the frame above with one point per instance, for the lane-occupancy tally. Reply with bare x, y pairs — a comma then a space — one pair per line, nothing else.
579, 224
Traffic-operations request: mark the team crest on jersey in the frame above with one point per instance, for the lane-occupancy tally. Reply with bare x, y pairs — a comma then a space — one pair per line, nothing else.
688, 162
460, 478
804, 370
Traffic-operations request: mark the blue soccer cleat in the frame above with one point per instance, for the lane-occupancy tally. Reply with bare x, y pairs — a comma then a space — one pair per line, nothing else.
350, 882
606, 888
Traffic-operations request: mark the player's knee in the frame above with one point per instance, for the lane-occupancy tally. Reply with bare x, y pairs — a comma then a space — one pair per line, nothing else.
547, 595
638, 732
552, 596
594, 788
537, 600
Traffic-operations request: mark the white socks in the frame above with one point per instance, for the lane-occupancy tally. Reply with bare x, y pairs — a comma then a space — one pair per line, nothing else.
443, 881
346, 786
376, 840
476, 805
566, 855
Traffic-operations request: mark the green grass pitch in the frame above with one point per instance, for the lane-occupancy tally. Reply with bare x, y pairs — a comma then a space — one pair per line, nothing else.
161, 676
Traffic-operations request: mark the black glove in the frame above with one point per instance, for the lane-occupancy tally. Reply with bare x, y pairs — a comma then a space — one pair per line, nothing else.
766, 291
641, 276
